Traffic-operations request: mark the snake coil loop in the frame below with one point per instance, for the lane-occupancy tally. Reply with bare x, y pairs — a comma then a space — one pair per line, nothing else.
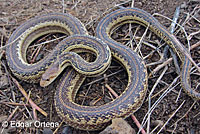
89, 117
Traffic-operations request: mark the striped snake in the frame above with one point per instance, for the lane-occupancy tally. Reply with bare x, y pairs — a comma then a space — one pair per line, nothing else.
90, 117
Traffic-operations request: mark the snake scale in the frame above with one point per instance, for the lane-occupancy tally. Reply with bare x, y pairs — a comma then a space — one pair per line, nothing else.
75, 115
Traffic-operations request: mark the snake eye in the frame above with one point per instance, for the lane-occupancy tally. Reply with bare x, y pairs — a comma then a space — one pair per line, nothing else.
47, 79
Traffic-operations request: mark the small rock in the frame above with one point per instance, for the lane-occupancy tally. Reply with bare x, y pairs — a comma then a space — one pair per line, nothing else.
4, 131
67, 130
157, 122
47, 131
11, 130
3, 81
118, 126
183, 5
3, 118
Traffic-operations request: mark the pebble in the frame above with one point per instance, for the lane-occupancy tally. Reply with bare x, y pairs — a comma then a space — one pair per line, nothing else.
119, 126
3, 81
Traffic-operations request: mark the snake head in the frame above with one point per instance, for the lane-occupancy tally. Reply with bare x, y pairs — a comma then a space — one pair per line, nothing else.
50, 74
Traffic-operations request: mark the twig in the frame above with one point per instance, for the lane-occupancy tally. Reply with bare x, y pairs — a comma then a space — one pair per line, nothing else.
171, 117
111, 90
48, 41
63, 5
185, 114
158, 101
3, 32
58, 127
13, 103
175, 18
132, 3
2, 47
172, 27
86, 94
33, 105
140, 42
179, 45
76, 4
103, 78
195, 45
149, 106
30, 113
36, 54
160, 66
11, 115
170, 60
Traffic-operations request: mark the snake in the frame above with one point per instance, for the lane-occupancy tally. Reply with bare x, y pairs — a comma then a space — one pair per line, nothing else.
135, 15
91, 117
78, 41
97, 117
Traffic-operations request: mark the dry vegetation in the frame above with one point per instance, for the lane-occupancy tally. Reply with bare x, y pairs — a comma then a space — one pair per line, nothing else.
171, 109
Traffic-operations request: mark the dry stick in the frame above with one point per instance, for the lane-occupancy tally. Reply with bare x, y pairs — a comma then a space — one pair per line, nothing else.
30, 113
2, 47
196, 115
172, 28
149, 102
111, 90
158, 101
184, 114
180, 46
170, 60
36, 54
96, 101
11, 115
76, 4
103, 78
192, 34
33, 105
48, 41
189, 16
130, 27
195, 45
63, 5
141, 40
132, 3
3, 32
160, 66
13, 103
171, 116
2, 41
86, 94
133, 37
132, 116
55, 132
156, 94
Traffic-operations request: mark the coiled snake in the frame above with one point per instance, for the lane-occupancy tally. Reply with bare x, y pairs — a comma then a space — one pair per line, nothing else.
90, 117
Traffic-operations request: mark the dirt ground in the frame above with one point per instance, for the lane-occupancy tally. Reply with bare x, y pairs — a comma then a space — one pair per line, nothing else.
176, 113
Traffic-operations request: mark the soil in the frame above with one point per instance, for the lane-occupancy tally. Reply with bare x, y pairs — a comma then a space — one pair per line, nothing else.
184, 108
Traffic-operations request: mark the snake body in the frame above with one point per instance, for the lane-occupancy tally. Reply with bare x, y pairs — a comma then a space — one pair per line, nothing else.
135, 15
26, 33
92, 117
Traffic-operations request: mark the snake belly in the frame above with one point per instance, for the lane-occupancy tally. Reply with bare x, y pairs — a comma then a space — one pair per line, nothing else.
135, 15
